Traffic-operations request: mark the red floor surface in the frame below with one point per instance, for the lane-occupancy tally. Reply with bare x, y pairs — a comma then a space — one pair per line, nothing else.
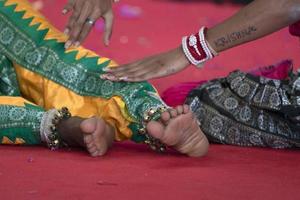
132, 171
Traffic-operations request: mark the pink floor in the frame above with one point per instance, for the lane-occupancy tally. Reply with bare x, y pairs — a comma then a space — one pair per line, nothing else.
131, 171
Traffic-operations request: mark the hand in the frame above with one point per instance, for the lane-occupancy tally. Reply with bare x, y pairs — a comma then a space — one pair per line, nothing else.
83, 12
152, 67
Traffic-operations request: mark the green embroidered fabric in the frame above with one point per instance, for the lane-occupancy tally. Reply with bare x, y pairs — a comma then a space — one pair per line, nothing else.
16, 121
21, 122
8, 79
26, 46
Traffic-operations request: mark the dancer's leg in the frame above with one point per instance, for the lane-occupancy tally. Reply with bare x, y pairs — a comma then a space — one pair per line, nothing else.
53, 78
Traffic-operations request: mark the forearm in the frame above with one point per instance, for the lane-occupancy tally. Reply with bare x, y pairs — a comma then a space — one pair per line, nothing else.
260, 18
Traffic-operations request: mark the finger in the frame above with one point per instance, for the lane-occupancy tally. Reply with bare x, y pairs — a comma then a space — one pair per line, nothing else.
109, 19
144, 74
139, 75
133, 70
68, 7
137, 79
144, 65
132, 66
87, 27
132, 73
119, 68
80, 23
144, 77
69, 27
109, 77
122, 73
72, 20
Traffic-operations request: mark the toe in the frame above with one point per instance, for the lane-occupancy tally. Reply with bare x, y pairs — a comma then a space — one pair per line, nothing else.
102, 151
165, 117
155, 129
179, 110
173, 113
94, 154
87, 139
92, 149
90, 145
186, 109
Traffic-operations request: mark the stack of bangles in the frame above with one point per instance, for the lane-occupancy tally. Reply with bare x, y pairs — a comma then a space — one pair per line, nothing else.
197, 49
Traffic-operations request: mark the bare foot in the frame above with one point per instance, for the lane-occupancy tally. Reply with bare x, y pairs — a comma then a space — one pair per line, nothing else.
179, 128
92, 133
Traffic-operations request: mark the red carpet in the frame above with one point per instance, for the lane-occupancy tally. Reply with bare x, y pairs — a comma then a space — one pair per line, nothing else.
132, 171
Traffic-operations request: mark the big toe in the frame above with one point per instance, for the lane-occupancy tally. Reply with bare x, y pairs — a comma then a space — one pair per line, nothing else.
155, 129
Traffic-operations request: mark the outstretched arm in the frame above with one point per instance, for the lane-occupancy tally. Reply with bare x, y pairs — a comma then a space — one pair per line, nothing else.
258, 19
254, 21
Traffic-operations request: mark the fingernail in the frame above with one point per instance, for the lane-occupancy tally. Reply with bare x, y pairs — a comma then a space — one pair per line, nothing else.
125, 78
68, 44
103, 76
64, 11
106, 69
106, 43
110, 77
66, 31
77, 44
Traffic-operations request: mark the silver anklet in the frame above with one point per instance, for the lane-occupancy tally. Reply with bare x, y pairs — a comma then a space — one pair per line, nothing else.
153, 143
49, 123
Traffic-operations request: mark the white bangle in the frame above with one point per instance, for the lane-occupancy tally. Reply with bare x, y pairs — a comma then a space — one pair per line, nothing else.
195, 44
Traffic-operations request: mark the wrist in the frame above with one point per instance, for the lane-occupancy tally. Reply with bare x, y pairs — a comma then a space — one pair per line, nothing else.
181, 57
210, 37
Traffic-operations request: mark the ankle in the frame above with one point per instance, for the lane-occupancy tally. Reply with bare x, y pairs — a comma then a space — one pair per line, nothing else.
68, 128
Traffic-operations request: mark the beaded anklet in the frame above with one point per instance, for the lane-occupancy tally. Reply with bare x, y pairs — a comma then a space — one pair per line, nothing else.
49, 123
153, 143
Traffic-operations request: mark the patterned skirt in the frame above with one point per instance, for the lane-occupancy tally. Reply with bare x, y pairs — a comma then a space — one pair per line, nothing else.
247, 110
38, 74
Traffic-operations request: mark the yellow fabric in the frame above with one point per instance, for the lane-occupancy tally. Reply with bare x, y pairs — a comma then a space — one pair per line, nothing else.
53, 33
6, 140
13, 101
48, 94
18, 141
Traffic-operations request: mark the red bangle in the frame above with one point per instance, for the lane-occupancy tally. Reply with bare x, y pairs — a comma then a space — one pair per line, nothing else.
196, 48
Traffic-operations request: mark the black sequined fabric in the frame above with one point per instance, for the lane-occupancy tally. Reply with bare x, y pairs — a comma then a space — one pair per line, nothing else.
246, 110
